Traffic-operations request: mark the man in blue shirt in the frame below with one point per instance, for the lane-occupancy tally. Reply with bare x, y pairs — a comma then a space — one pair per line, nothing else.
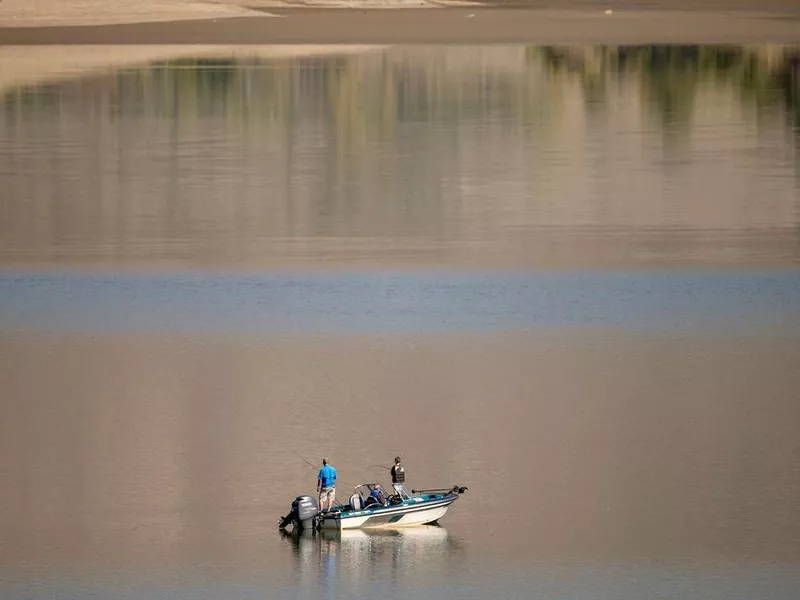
326, 485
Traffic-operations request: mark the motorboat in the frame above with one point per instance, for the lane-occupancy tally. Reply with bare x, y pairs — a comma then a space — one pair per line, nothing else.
371, 506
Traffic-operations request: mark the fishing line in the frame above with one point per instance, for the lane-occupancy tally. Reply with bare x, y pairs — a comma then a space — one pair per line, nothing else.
379, 467
308, 462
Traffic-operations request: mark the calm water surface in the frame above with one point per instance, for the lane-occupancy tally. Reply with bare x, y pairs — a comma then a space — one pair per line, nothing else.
567, 278
500, 157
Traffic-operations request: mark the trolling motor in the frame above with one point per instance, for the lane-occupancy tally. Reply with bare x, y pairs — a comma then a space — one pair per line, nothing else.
304, 509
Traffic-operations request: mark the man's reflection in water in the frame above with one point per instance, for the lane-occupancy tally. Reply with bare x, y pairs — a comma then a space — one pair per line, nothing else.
328, 553
362, 555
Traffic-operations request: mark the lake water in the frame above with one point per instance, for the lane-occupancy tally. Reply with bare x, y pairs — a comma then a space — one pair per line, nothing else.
567, 278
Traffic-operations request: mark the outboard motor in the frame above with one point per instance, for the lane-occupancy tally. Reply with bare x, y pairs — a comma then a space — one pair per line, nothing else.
304, 509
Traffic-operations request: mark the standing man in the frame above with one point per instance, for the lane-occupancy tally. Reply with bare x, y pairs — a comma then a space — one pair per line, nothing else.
399, 477
326, 485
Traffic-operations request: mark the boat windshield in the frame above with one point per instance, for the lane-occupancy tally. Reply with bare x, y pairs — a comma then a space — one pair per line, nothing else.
372, 493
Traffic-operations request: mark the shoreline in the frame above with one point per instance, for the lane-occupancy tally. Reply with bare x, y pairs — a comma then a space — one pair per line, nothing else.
412, 26
537, 22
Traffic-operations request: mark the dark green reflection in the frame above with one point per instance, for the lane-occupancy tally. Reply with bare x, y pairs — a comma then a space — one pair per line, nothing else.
767, 77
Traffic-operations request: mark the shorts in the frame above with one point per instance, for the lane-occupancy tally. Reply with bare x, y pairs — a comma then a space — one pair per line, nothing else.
327, 493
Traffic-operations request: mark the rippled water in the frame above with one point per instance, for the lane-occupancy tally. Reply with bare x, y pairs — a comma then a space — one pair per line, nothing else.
564, 277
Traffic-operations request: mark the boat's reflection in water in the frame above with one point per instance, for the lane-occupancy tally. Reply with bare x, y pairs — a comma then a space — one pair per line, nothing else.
357, 557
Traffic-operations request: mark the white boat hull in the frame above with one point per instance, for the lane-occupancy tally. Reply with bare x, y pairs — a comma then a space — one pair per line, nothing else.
399, 510
399, 516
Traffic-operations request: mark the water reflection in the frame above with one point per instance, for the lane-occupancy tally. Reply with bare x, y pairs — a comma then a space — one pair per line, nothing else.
506, 156
767, 77
401, 558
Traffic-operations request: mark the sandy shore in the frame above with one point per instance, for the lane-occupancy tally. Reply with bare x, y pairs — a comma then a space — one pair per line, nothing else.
313, 21
453, 26
67, 13
32, 13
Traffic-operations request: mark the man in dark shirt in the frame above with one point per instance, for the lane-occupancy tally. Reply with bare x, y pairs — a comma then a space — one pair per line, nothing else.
399, 477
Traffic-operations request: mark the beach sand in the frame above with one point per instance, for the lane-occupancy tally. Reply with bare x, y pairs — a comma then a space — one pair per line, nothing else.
313, 21
26, 13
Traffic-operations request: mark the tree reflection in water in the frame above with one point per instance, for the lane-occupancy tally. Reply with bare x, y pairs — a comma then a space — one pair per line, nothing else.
768, 77
411, 153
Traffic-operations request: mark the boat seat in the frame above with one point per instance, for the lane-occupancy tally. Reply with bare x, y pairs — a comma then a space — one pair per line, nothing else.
371, 501
356, 503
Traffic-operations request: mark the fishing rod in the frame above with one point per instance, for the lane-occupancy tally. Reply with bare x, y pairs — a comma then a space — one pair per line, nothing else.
379, 467
305, 460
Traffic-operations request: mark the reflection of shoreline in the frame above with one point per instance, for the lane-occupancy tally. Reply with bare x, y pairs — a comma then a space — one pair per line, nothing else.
38, 65
680, 158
